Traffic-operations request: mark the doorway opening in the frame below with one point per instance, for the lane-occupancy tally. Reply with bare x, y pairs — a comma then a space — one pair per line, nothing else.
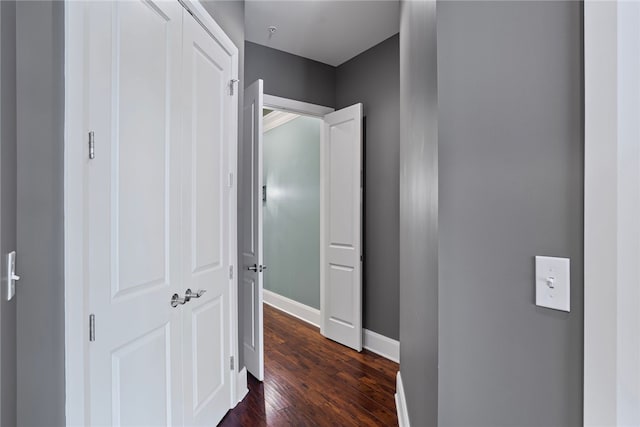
313, 197
291, 213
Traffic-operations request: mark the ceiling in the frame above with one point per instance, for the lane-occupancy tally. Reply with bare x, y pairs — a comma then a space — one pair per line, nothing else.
329, 31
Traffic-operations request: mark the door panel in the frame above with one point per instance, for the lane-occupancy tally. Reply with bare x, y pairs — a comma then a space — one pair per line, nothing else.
340, 294
140, 192
141, 373
253, 334
249, 300
341, 222
209, 365
133, 213
207, 159
207, 131
342, 191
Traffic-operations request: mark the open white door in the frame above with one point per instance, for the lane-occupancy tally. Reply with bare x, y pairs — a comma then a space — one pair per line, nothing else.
252, 267
341, 227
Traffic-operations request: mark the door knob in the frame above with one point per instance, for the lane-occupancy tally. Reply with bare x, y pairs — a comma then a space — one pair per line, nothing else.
176, 300
190, 294
253, 267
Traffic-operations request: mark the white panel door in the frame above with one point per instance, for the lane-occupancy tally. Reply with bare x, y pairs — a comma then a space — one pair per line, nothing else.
207, 139
133, 212
251, 293
341, 227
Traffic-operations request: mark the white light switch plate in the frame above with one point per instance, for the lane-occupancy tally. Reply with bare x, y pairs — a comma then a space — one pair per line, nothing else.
553, 283
10, 275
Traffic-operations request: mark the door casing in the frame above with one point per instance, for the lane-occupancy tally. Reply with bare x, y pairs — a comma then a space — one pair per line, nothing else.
75, 155
290, 106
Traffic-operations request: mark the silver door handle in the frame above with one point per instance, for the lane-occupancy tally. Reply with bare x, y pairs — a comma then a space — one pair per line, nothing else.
176, 300
263, 268
190, 294
253, 267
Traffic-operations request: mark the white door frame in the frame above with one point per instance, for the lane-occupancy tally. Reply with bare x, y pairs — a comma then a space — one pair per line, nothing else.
75, 155
297, 107
612, 213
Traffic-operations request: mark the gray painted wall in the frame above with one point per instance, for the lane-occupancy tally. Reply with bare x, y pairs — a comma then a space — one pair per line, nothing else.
419, 210
511, 187
291, 214
8, 208
40, 123
230, 16
373, 78
290, 76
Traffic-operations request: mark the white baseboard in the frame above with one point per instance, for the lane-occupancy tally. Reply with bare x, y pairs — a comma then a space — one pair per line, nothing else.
401, 403
303, 312
373, 341
241, 385
384, 346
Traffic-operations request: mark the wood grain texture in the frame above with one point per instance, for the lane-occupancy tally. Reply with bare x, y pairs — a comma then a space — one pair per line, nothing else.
313, 381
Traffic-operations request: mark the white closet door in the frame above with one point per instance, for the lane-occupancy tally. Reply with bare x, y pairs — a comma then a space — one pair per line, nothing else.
133, 212
341, 227
252, 256
207, 139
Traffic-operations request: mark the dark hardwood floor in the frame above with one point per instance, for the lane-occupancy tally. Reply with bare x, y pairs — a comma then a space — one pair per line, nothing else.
313, 381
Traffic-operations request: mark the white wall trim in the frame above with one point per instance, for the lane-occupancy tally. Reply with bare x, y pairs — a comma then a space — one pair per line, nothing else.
76, 329
297, 107
401, 403
211, 26
612, 214
277, 118
381, 345
373, 341
241, 386
294, 308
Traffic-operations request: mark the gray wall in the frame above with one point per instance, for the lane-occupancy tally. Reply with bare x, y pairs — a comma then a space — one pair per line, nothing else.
230, 16
290, 76
40, 123
8, 208
291, 214
511, 187
373, 78
419, 210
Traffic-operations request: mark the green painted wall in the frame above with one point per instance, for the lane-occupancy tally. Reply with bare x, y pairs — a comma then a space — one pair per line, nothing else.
292, 210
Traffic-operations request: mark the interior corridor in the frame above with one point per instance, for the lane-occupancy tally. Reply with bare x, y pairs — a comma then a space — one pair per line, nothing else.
313, 381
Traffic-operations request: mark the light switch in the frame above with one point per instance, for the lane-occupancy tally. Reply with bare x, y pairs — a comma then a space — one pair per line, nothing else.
10, 275
553, 283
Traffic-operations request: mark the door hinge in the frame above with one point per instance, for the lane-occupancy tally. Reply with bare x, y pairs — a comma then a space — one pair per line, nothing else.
92, 327
232, 84
232, 367
231, 272
92, 145
230, 180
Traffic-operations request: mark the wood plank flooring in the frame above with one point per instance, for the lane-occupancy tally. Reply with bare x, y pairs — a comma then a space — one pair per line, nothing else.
313, 381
